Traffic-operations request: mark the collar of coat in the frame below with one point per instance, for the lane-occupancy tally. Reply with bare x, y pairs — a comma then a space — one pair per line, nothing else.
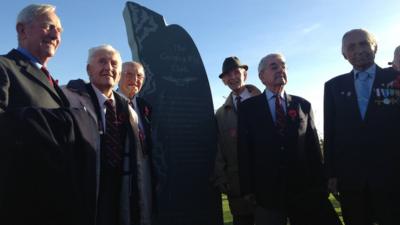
251, 88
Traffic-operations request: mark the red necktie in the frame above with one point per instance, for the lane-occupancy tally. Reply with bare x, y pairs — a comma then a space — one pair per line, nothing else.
280, 119
112, 143
48, 76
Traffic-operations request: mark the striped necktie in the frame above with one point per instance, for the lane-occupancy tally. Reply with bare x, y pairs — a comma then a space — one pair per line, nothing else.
48, 76
280, 120
112, 142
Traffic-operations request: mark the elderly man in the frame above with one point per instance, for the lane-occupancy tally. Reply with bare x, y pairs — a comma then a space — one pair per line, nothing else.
226, 174
361, 122
280, 160
24, 79
41, 143
119, 189
130, 84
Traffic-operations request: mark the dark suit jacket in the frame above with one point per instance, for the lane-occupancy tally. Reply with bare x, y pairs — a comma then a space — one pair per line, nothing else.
157, 167
22, 84
47, 166
360, 152
272, 167
82, 94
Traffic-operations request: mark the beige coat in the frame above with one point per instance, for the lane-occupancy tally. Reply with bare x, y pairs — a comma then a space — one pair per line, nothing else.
226, 163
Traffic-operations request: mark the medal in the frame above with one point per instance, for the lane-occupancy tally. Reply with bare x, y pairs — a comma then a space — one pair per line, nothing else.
378, 94
385, 94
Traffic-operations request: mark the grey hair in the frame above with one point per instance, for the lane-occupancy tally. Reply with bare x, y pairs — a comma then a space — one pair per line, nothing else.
396, 57
263, 61
133, 63
30, 12
370, 37
396, 53
105, 47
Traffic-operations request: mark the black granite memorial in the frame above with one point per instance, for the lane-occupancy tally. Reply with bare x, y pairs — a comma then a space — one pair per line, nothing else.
184, 130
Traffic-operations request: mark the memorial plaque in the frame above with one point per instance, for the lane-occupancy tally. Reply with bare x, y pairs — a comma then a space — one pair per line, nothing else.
184, 129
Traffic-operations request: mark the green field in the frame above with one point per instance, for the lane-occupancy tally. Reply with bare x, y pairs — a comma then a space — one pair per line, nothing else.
228, 215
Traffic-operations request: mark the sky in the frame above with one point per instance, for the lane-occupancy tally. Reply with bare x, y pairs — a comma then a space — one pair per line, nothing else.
308, 33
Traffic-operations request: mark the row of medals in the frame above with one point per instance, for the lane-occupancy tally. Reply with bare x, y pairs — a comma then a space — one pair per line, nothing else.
387, 96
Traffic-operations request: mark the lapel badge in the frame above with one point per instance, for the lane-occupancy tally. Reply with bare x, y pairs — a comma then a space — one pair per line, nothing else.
233, 132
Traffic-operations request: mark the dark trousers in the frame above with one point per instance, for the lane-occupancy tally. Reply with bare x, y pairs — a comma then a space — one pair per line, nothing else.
265, 216
247, 219
314, 209
310, 208
366, 206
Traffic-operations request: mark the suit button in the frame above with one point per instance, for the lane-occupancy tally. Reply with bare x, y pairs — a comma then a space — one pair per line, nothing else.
282, 148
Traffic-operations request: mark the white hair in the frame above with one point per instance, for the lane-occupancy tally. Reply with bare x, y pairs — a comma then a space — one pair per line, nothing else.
396, 54
263, 61
105, 47
30, 12
133, 63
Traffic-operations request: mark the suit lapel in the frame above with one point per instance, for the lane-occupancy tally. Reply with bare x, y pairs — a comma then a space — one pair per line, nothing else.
38, 76
144, 111
267, 114
96, 105
293, 114
348, 94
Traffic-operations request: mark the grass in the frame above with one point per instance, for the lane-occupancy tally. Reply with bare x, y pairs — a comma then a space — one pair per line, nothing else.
228, 215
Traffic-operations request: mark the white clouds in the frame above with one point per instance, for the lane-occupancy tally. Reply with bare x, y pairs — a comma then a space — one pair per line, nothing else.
310, 28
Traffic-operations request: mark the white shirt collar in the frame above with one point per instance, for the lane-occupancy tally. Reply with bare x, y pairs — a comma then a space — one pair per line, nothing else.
101, 97
269, 94
371, 71
243, 96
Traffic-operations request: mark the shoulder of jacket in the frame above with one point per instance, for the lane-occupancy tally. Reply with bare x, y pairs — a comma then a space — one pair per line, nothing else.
253, 89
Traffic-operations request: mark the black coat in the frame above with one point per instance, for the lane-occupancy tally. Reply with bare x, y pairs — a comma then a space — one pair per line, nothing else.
22, 84
274, 168
47, 166
360, 152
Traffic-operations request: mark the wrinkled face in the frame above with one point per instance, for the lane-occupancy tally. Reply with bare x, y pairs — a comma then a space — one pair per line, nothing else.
235, 79
274, 73
359, 50
42, 36
104, 70
132, 79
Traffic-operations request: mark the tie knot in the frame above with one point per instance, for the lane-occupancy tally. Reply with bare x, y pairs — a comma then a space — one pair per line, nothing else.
238, 101
109, 103
132, 104
44, 69
277, 98
363, 76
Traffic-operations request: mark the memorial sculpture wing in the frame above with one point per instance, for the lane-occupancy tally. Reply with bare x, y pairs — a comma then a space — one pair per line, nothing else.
183, 125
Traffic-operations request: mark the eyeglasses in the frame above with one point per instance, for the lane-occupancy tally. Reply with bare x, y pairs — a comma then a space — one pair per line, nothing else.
49, 27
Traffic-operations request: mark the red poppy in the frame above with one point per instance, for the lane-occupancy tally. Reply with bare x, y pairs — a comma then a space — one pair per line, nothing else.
292, 113
141, 136
233, 132
122, 117
146, 111
396, 82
